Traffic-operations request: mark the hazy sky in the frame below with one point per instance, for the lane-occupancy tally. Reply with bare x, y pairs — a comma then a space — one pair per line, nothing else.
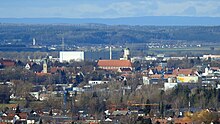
107, 8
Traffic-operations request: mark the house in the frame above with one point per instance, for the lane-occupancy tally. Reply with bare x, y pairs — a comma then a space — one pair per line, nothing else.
160, 121
114, 65
7, 118
186, 75
54, 70
184, 120
187, 79
13, 118
28, 66
33, 118
186, 72
7, 62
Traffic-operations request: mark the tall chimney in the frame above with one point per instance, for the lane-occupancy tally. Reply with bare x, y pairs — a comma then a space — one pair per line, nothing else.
110, 54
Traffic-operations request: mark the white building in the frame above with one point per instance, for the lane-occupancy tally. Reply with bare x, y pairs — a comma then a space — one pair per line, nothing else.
67, 56
213, 57
98, 82
169, 85
146, 80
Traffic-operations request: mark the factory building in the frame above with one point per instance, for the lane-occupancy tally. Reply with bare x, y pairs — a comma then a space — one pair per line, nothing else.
67, 56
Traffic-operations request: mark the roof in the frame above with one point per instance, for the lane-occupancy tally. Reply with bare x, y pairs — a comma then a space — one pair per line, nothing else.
183, 71
114, 63
55, 69
168, 76
163, 121
7, 62
214, 68
43, 74
184, 120
156, 76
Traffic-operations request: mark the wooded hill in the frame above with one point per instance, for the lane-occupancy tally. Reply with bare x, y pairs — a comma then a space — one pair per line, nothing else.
104, 34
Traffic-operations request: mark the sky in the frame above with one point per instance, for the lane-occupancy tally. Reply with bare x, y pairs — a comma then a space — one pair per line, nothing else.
107, 8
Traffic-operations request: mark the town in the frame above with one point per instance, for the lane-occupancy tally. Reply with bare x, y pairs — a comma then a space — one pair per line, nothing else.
129, 89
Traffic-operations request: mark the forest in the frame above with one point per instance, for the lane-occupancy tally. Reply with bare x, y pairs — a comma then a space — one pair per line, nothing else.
81, 34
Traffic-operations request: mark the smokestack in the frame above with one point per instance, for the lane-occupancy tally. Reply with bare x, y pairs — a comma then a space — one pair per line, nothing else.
110, 54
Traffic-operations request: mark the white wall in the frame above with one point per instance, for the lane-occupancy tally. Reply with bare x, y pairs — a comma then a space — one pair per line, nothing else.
146, 80
97, 82
169, 85
67, 56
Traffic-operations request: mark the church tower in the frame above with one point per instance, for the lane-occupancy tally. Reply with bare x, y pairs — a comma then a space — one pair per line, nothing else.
126, 55
45, 66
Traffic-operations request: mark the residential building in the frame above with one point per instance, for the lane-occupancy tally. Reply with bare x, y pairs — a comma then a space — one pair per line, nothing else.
114, 64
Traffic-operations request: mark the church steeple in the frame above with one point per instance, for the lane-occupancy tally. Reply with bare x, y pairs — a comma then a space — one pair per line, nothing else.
45, 66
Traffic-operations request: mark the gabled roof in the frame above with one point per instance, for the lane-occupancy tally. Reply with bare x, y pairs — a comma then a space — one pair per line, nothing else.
185, 72
7, 62
42, 74
155, 76
114, 63
165, 76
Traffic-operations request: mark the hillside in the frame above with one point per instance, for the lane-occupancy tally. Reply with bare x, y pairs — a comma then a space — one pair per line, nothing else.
75, 34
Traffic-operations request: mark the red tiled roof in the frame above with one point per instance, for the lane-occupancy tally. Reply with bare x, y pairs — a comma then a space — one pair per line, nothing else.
7, 62
183, 71
163, 121
54, 69
214, 68
184, 120
43, 74
157, 76
168, 76
114, 63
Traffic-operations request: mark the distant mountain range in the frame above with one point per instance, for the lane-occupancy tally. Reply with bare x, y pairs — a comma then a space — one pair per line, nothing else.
147, 20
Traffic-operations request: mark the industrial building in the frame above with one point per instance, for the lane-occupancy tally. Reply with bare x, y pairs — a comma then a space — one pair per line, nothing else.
67, 56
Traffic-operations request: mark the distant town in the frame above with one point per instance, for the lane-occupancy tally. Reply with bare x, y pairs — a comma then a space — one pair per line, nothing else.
172, 81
